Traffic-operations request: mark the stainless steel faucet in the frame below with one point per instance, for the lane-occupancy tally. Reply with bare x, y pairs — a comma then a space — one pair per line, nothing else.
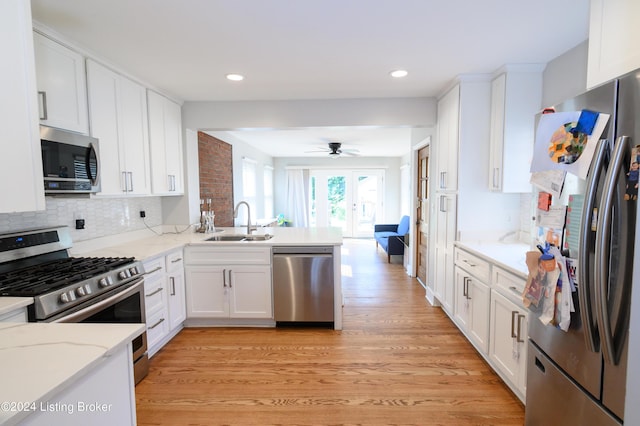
235, 215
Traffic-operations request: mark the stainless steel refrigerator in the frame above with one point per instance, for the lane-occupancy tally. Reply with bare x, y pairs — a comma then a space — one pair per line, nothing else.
579, 377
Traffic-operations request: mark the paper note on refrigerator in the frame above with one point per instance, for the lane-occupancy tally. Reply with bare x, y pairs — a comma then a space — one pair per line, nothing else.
563, 142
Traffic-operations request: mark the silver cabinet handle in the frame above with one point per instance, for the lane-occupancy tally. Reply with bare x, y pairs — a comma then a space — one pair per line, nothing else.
153, 270
496, 174
124, 181
176, 260
473, 265
130, 181
443, 184
513, 324
43, 96
519, 333
224, 277
173, 286
443, 200
589, 210
230, 279
160, 321
465, 289
155, 292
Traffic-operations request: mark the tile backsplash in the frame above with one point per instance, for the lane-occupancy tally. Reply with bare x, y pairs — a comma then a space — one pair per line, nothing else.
102, 216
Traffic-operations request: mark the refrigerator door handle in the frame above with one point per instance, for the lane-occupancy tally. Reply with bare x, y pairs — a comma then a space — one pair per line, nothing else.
603, 248
589, 209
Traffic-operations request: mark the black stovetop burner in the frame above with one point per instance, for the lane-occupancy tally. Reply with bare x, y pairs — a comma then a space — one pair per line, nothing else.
52, 275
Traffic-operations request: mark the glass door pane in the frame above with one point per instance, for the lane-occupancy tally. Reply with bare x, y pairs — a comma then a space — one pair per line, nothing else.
336, 189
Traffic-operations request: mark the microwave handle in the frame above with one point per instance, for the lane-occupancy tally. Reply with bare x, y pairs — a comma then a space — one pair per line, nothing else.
93, 153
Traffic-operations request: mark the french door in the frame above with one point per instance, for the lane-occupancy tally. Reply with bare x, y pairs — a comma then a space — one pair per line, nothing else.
348, 199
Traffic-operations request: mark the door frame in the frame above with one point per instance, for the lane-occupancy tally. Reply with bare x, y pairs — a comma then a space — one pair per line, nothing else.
412, 267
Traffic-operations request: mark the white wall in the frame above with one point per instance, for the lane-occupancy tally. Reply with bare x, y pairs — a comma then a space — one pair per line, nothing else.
414, 112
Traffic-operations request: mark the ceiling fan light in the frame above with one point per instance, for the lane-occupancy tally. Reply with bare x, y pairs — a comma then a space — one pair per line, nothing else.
398, 73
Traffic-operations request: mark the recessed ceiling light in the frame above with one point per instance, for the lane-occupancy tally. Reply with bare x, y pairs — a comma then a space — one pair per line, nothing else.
235, 77
398, 73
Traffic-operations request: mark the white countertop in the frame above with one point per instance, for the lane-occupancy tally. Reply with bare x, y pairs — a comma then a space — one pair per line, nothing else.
510, 256
156, 245
38, 360
8, 304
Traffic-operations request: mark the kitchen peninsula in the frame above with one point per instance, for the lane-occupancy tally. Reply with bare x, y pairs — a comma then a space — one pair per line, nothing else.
163, 253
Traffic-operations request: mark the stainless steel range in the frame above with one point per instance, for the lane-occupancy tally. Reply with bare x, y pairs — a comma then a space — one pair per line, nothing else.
36, 263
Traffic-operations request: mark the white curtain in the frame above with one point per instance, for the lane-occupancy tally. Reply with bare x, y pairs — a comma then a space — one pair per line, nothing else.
297, 198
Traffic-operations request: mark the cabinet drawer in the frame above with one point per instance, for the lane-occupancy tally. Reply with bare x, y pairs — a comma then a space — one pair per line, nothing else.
228, 255
154, 267
155, 294
157, 327
509, 285
473, 264
175, 261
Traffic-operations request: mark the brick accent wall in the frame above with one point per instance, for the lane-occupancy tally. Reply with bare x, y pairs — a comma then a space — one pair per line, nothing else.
216, 176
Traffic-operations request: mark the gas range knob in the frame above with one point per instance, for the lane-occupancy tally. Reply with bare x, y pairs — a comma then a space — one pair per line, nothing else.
64, 298
124, 274
80, 292
134, 271
105, 282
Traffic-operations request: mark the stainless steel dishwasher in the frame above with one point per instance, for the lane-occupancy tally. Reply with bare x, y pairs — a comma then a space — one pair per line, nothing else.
303, 284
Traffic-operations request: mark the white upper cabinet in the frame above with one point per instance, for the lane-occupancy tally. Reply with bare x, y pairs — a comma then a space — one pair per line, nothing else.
21, 180
165, 135
613, 40
516, 97
447, 141
62, 87
118, 115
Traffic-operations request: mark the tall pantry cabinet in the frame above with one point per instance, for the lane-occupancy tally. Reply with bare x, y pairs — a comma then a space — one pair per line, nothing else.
463, 206
462, 134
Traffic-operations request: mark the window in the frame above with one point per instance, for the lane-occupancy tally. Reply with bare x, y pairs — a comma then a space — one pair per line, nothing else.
248, 189
268, 192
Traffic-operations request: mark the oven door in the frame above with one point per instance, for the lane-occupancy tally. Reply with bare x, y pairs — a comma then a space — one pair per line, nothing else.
124, 304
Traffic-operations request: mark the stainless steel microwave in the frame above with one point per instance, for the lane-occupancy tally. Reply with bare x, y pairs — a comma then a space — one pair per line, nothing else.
70, 162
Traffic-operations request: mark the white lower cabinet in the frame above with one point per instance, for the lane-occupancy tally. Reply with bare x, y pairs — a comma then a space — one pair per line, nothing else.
472, 308
164, 299
488, 312
508, 343
221, 284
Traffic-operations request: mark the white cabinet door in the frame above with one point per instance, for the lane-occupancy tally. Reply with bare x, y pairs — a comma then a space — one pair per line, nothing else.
118, 115
21, 182
165, 134
177, 305
447, 141
135, 136
479, 297
472, 308
207, 292
250, 295
461, 311
613, 40
508, 342
445, 237
516, 97
62, 87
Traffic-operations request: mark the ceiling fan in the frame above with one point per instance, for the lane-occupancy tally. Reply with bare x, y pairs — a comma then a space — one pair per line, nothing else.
334, 149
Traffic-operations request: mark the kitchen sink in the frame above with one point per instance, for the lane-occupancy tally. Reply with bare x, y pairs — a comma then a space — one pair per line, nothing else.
240, 237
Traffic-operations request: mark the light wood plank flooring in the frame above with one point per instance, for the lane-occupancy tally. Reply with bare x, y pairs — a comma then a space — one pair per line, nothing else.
397, 361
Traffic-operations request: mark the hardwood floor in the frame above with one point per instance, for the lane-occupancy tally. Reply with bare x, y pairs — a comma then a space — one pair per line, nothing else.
397, 361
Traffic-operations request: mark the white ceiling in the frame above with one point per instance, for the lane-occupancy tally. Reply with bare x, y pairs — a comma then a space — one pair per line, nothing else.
314, 49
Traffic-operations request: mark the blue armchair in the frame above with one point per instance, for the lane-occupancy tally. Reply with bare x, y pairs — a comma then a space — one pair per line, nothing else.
390, 237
